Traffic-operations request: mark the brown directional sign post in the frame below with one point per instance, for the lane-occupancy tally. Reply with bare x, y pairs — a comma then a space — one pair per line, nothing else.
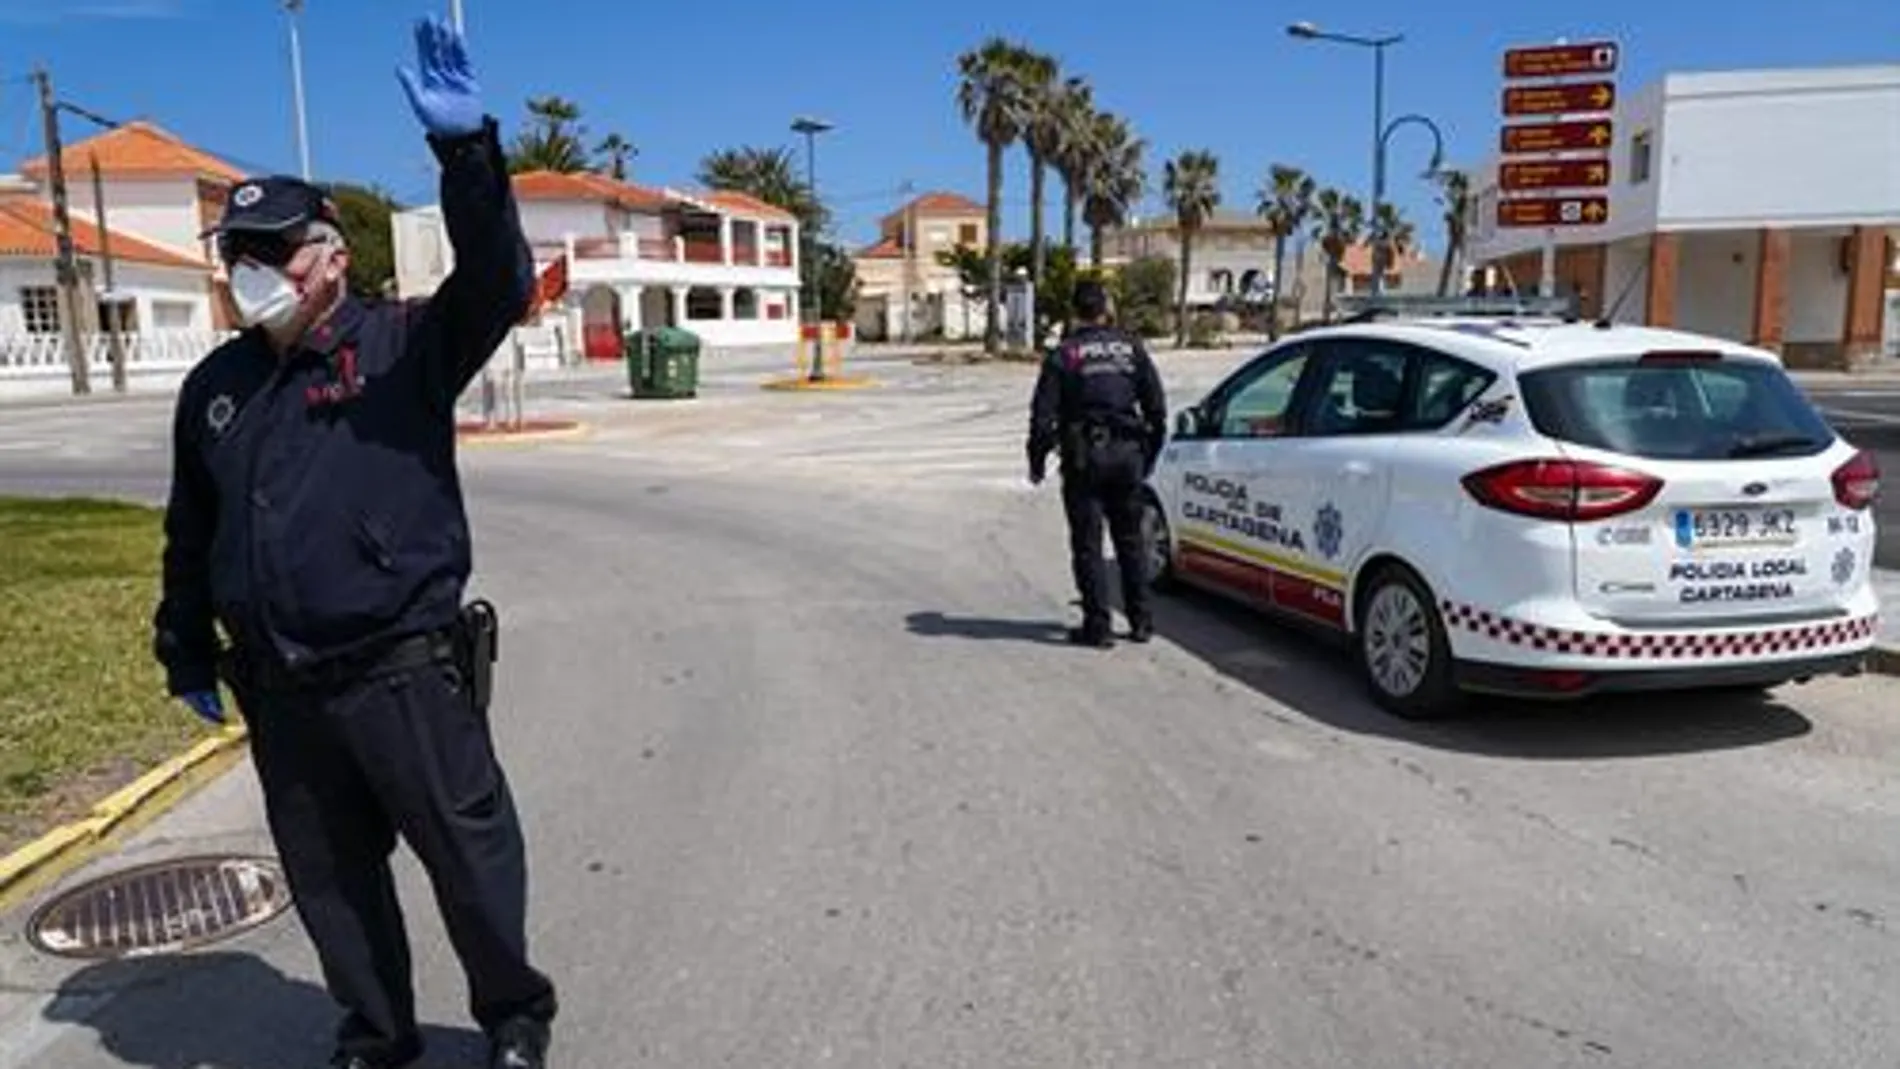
1540, 137
1576, 83
1553, 211
1561, 61
1517, 175
1566, 99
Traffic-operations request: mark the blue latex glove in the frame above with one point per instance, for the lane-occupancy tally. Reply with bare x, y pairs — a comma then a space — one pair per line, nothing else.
444, 94
206, 704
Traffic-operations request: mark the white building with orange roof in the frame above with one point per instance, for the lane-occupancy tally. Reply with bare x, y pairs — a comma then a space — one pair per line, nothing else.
901, 269
721, 265
158, 193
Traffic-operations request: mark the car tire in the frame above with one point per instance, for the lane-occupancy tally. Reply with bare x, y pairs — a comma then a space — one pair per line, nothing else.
1404, 655
1154, 542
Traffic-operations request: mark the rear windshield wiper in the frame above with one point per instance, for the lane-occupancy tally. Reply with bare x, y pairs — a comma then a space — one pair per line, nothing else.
1770, 443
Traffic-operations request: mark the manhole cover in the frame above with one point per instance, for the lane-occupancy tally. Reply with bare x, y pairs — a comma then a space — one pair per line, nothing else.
161, 908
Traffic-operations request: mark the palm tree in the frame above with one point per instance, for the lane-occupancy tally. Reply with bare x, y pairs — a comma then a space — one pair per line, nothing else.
993, 97
1286, 202
1454, 192
548, 143
770, 174
1042, 136
1390, 235
1114, 179
1192, 186
1076, 119
1339, 221
618, 150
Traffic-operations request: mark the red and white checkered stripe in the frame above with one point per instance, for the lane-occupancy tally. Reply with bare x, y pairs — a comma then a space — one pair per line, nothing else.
1658, 645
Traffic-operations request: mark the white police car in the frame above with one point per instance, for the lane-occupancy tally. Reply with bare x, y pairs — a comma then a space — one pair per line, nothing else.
1528, 505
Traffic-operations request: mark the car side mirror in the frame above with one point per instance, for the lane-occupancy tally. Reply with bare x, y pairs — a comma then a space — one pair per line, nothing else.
1187, 422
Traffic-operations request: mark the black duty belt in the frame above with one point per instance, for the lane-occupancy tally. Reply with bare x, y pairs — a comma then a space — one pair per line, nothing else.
405, 654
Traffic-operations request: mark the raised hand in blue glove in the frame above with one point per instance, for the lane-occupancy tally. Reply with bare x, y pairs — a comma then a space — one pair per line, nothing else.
443, 93
207, 704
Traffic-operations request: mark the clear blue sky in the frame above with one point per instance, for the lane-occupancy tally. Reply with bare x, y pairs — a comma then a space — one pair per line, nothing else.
682, 79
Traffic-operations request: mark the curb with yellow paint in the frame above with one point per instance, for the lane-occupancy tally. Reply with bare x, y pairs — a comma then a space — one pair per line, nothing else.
33, 867
829, 383
501, 436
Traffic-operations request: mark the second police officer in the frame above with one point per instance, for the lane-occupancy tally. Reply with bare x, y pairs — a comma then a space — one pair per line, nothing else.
1099, 404
316, 514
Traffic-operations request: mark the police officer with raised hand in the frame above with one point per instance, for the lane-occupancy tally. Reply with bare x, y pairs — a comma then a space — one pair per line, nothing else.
316, 514
1099, 404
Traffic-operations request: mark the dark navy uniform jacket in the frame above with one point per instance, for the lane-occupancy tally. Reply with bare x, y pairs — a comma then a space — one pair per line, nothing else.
315, 508
1099, 376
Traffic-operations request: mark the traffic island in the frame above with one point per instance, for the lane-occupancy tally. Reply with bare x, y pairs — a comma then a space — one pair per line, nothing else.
820, 361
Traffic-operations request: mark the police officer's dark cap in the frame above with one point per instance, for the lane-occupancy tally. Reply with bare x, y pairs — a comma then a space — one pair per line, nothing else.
1091, 299
274, 205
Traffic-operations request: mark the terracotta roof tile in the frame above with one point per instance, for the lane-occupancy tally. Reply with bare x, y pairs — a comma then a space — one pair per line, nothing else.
944, 204
887, 249
138, 149
27, 229
745, 204
557, 185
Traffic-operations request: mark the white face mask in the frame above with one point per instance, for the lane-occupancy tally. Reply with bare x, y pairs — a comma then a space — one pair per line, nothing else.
263, 295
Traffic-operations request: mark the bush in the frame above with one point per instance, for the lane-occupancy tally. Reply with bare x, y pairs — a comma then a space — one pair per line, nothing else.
1204, 331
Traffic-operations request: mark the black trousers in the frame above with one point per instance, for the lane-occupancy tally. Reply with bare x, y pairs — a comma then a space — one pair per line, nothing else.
1107, 489
345, 770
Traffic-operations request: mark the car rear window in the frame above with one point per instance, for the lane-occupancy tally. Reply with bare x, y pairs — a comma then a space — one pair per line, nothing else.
1676, 410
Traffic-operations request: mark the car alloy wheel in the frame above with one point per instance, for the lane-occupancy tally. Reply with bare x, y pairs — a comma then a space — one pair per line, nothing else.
1398, 646
1159, 564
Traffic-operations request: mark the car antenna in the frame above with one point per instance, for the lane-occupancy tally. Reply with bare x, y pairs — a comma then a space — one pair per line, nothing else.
1603, 322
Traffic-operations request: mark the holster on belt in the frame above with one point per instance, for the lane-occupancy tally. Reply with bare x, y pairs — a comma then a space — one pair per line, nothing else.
477, 646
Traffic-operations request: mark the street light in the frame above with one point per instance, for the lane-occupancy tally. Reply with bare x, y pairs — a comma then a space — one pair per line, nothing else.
294, 8
811, 128
1307, 31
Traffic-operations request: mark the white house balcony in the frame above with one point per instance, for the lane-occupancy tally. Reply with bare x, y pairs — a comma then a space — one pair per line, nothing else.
634, 259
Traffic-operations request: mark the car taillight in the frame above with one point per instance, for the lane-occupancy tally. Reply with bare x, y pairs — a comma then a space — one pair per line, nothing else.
1573, 490
1857, 482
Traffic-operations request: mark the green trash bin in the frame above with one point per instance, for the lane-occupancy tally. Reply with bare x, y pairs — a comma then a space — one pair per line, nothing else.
672, 363
639, 369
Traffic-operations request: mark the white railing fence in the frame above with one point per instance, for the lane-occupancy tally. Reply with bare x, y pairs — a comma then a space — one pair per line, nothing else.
43, 356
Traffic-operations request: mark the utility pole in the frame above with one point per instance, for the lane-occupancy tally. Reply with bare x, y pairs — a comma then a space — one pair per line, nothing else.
64, 267
293, 8
114, 324
910, 247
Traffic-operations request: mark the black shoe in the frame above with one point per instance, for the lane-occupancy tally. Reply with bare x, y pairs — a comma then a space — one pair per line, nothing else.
519, 1045
1141, 631
1088, 636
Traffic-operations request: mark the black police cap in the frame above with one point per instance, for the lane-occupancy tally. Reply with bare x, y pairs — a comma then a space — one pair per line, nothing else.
1091, 299
273, 204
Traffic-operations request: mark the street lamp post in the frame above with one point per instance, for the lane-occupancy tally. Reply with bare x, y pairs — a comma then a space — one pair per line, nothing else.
1431, 170
1309, 32
294, 8
811, 128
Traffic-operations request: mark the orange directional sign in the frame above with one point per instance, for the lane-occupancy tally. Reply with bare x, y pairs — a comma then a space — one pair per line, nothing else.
1557, 136
1559, 99
1555, 174
1553, 211
1560, 61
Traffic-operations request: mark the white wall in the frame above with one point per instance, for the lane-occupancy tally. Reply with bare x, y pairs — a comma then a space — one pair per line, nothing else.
1626, 276
1799, 148
164, 212
554, 220
1715, 283
1817, 288
421, 250
144, 285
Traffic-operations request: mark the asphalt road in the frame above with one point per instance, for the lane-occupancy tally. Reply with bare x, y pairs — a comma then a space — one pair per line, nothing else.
1870, 418
809, 779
